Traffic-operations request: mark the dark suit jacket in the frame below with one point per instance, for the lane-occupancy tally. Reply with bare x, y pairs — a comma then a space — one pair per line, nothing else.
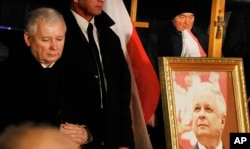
113, 125
197, 147
32, 93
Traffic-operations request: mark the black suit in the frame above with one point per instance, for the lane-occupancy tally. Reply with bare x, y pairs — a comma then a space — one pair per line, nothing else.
113, 124
32, 93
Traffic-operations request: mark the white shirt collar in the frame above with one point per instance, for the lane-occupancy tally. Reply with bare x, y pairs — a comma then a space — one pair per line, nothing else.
44, 66
220, 145
83, 23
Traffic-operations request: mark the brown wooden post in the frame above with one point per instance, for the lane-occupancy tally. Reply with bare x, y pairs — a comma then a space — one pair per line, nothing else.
216, 28
133, 15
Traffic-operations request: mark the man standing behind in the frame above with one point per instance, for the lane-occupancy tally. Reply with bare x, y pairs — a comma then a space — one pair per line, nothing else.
209, 117
104, 78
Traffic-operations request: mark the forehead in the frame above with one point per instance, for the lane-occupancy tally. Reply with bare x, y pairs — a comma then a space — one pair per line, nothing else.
48, 23
186, 14
45, 27
205, 95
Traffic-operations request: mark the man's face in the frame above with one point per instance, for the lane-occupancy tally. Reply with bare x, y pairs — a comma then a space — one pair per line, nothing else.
207, 122
89, 8
183, 21
47, 42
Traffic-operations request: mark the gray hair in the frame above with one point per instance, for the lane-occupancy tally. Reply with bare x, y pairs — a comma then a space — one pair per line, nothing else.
46, 14
220, 101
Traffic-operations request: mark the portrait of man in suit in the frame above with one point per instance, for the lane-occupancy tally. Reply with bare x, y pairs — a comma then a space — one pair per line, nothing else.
208, 117
186, 85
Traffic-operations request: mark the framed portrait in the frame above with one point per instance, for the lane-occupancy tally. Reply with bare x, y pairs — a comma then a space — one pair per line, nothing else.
180, 80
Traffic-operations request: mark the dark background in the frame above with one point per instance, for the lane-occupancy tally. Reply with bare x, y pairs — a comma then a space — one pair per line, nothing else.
12, 13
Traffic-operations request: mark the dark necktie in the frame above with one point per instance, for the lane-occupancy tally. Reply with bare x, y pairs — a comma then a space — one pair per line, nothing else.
99, 65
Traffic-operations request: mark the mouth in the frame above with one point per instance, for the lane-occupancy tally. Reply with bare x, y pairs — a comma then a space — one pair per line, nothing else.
52, 54
202, 125
99, 7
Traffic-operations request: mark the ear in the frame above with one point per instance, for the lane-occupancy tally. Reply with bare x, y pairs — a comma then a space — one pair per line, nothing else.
26, 38
223, 121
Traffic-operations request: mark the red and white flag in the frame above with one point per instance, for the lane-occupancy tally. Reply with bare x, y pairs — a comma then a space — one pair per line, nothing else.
145, 84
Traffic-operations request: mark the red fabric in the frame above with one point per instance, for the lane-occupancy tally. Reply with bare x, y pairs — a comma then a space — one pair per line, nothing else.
145, 76
145, 89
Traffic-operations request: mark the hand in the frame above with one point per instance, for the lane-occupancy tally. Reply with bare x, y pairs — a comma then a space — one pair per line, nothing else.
77, 133
123, 148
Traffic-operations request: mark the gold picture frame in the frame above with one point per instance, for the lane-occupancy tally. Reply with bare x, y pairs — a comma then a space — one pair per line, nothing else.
177, 73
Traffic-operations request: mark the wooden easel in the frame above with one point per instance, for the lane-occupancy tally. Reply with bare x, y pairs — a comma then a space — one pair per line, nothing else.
133, 14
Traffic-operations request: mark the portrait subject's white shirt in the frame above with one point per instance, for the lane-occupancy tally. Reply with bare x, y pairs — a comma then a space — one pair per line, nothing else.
220, 146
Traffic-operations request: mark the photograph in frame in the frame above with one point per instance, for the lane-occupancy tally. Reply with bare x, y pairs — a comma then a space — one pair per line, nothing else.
181, 78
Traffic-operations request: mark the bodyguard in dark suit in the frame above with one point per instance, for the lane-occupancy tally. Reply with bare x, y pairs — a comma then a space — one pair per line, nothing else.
105, 88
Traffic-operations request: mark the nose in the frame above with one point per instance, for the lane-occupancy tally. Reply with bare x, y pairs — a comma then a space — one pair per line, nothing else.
202, 113
186, 21
54, 44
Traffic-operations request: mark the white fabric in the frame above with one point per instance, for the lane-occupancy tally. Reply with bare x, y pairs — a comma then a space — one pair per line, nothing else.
124, 28
190, 47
